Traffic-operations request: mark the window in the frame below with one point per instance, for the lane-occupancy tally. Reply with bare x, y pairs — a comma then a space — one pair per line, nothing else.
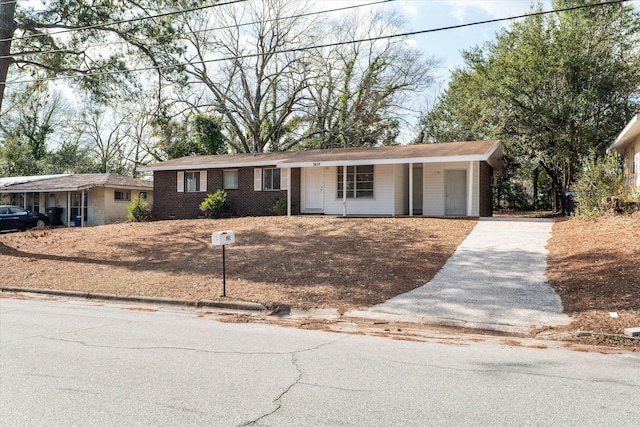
230, 179
191, 181
359, 182
122, 196
271, 179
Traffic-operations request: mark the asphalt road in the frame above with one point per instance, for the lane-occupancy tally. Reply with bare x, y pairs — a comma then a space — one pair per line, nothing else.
78, 363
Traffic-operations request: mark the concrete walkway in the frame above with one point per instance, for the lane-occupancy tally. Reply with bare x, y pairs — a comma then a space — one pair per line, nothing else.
494, 280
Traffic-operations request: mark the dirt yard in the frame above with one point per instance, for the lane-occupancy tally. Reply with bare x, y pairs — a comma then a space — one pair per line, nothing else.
594, 265
320, 262
303, 262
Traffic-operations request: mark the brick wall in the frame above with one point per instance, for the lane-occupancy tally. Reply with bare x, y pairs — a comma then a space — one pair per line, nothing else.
486, 191
243, 201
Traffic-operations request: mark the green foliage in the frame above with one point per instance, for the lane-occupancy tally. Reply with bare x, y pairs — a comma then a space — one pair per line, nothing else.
600, 177
197, 136
84, 23
207, 134
279, 206
139, 209
215, 205
551, 87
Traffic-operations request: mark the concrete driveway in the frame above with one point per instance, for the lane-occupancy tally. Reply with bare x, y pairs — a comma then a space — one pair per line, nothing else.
495, 280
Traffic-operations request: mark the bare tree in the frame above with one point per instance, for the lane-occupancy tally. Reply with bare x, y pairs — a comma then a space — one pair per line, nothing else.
365, 88
254, 67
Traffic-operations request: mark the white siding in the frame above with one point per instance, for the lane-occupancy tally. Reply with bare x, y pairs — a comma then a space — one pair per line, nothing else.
433, 203
383, 194
401, 190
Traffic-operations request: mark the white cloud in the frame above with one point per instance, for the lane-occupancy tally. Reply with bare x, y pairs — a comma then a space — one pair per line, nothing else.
493, 8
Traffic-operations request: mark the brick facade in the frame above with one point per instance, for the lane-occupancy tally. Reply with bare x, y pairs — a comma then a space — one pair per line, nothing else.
486, 190
243, 201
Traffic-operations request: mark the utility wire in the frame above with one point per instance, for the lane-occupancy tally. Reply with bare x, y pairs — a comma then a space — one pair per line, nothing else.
302, 15
123, 21
326, 45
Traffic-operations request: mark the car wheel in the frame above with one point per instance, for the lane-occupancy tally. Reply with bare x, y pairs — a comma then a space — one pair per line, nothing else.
40, 223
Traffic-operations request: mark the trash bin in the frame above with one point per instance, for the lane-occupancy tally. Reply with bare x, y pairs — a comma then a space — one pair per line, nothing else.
55, 216
568, 203
77, 220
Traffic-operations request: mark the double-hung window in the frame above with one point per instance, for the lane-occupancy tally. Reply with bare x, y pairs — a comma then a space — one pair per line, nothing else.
359, 181
271, 179
192, 181
230, 179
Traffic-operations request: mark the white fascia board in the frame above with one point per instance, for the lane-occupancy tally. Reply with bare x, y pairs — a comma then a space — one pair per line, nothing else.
151, 168
628, 134
47, 190
444, 159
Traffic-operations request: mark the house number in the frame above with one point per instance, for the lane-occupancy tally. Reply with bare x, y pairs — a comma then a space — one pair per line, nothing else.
316, 163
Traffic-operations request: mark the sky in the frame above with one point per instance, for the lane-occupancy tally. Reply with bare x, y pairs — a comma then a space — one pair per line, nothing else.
447, 45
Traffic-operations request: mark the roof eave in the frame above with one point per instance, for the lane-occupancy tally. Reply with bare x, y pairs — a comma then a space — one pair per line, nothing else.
392, 161
184, 167
630, 132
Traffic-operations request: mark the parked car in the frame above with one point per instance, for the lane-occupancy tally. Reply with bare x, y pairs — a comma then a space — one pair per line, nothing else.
17, 218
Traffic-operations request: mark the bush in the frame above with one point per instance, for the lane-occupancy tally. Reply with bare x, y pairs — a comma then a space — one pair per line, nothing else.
215, 205
139, 209
598, 179
279, 206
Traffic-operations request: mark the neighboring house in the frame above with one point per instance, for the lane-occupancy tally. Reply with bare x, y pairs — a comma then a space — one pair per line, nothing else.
628, 144
102, 198
448, 179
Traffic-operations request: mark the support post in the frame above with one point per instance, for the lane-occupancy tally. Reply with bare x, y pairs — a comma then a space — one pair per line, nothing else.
288, 191
344, 190
224, 275
410, 189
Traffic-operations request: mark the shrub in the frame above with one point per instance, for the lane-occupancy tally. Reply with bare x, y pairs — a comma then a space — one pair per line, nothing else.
598, 179
215, 205
279, 206
139, 209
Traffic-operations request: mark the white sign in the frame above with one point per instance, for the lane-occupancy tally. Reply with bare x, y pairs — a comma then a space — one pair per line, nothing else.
220, 238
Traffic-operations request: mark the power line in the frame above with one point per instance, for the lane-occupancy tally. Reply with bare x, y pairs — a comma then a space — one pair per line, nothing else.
123, 21
302, 15
326, 45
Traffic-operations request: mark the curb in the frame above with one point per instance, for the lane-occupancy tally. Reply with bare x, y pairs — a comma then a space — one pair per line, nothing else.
234, 305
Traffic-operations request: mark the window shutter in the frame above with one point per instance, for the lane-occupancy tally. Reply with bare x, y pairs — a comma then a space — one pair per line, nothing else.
203, 180
180, 182
257, 179
284, 179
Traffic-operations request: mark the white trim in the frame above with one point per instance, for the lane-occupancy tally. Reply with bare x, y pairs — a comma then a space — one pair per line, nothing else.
470, 176
257, 179
447, 159
288, 192
284, 179
180, 182
630, 132
410, 189
344, 189
286, 164
203, 181
230, 165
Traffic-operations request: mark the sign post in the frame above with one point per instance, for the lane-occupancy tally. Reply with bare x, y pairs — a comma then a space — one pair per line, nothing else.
222, 238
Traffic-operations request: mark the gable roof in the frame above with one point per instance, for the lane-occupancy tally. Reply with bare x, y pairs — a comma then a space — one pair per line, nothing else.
78, 182
489, 151
627, 136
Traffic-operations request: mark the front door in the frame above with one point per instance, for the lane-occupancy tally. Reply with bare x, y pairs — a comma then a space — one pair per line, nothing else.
455, 182
313, 190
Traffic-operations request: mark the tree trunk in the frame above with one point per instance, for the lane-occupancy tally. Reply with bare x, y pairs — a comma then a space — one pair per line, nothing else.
536, 175
7, 28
